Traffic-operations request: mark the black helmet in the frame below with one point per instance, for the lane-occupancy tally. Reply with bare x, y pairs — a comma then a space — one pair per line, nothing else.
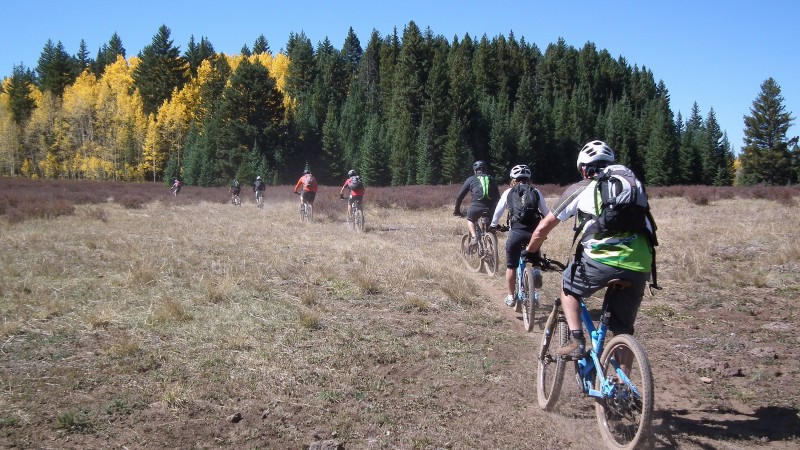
479, 166
306, 171
351, 173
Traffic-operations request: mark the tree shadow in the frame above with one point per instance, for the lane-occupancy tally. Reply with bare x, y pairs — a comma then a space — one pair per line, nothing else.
766, 424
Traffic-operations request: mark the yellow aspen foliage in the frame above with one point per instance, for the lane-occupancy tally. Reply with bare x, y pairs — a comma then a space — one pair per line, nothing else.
120, 124
78, 110
27, 169
154, 154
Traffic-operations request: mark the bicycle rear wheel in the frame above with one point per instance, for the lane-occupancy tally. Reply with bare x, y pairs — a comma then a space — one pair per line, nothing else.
470, 255
550, 374
625, 413
358, 220
490, 253
531, 301
309, 212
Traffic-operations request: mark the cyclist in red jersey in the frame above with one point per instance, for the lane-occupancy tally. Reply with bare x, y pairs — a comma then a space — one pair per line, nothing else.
356, 187
308, 184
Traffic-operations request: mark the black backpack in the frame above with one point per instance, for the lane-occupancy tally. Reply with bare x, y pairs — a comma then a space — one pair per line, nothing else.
235, 185
260, 186
523, 205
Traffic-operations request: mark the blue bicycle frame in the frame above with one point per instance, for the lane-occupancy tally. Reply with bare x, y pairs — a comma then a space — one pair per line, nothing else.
589, 366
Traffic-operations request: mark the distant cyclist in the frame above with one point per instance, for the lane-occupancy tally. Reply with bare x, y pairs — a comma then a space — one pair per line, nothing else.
307, 188
259, 187
234, 189
526, 206
485, 195
356, 187
176, 187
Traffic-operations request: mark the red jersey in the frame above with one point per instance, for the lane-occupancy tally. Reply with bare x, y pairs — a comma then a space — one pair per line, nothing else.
307, 182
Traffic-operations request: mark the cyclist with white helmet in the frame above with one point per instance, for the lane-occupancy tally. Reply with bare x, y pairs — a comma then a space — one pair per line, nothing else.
355, 185
521, 195
259, 186
485, 195
600, 256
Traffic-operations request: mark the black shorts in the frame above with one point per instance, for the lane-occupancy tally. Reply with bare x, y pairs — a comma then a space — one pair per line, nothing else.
517, 240
623, 304
236, 191
355, 198
308, 196
474, 212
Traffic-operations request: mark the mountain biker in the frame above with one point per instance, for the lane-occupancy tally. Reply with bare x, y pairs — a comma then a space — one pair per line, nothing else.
599, 257
520, 230
309, 185
356, 187
258, 187
485, 195
234, 189
176, 187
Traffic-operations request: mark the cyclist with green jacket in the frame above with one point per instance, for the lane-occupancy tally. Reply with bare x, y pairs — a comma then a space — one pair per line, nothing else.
485, 195
600, 256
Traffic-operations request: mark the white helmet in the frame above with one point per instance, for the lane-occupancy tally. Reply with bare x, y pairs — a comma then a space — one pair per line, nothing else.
594, 152
258, 177
520, 171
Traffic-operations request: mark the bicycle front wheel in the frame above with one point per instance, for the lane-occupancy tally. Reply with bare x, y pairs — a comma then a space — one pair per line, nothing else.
358, 220
531, 301
490, 253
625, 411
470, 255
550, 374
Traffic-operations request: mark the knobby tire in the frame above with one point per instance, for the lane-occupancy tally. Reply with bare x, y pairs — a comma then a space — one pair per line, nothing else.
625, 417
490, 253
531, 297
550, 373
471, 258
358, 220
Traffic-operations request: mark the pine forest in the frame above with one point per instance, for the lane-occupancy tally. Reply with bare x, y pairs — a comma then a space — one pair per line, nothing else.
408, 108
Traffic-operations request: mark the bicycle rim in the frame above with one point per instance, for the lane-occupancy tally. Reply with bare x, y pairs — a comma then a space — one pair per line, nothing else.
531, 297
358, 220
550, 374
624, 415
470, 256
309, 212
490, 253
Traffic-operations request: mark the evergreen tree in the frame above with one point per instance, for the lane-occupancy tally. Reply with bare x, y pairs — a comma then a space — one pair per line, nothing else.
107, 54
353, 124
690, 163
82, 61
717, 155
245, 51
765, 156
456, 160
197, 53
18, 89
351, 54
333, 167
160, 71
261, 45
251, 109
55, 70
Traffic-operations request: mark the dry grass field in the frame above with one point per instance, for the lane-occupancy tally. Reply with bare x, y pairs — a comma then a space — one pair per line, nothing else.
190, 323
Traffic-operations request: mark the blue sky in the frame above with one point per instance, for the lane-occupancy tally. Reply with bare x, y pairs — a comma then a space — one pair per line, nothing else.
715, 53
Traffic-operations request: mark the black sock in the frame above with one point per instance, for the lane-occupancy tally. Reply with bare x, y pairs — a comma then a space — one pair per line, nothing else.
577, 335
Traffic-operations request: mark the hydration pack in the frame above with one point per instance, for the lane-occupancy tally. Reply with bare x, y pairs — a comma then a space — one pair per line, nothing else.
309, 182
620, 201
523, 205
355, 182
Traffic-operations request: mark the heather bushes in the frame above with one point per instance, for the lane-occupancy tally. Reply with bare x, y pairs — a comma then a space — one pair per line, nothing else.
23, 198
